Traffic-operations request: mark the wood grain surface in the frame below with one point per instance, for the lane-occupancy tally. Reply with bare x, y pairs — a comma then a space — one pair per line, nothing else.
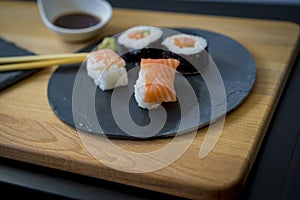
30, 131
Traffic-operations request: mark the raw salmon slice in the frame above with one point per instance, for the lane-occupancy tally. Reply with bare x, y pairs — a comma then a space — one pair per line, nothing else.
159, 79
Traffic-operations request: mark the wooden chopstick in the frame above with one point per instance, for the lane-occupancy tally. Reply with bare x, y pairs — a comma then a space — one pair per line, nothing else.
41, 64
16, 59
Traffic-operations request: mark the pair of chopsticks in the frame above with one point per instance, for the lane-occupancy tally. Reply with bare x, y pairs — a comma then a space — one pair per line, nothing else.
39, 61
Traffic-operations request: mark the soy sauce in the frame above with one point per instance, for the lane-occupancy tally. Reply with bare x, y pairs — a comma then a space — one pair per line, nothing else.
76, 20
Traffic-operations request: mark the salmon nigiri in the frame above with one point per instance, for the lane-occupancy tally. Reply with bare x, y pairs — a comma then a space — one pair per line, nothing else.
155, 83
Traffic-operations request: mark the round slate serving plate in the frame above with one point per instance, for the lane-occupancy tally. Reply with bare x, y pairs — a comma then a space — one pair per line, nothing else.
76, 100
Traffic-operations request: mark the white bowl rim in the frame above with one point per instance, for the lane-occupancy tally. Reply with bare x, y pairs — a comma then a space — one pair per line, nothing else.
76, 31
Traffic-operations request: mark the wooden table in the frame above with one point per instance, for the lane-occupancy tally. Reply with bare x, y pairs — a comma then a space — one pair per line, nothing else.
30, 132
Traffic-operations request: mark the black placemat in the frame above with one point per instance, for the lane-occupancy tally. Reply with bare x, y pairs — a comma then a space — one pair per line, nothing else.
10, 77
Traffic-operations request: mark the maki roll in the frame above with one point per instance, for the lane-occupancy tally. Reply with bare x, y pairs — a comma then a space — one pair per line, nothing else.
107, 69
155, 83
139, 37
191, 50
136, 41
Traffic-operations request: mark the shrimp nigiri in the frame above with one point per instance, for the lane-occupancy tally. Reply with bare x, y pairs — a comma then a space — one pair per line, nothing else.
107, 69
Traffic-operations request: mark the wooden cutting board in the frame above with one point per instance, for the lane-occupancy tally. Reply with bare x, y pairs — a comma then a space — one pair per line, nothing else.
30, 131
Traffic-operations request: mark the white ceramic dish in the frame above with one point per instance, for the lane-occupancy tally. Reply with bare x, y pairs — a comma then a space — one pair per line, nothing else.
51, 9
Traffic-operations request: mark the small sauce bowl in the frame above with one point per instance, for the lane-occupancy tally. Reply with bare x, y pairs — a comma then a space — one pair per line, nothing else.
89, 17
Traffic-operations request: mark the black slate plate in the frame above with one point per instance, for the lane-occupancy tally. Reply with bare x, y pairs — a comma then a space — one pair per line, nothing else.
91, 109
10, 77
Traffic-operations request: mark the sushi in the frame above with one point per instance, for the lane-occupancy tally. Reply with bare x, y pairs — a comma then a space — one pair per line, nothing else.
155, 83
107, 69
136, 41
139, 37
191, 50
